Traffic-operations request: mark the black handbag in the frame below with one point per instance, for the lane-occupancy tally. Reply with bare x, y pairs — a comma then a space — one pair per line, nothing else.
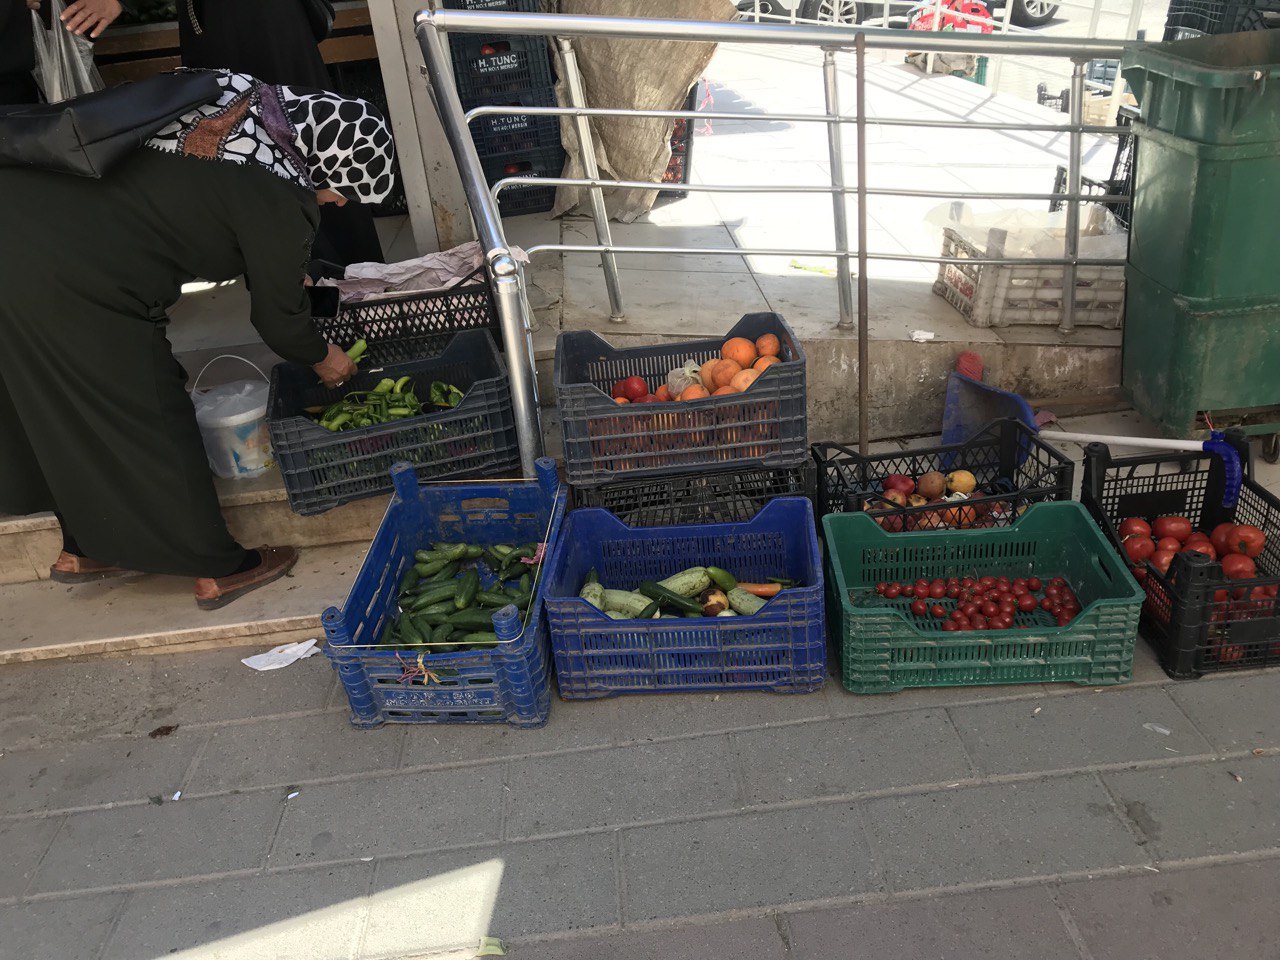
320, 14
88, 135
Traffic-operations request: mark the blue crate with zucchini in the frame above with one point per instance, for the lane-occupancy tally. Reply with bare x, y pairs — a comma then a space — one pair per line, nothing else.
723, 606
444, 623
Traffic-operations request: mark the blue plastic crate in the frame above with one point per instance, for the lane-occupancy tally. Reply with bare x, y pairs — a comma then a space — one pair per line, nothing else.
508, 684
781, 648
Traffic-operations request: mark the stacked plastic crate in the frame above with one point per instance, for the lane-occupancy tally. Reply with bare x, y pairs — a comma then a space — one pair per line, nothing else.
508, 71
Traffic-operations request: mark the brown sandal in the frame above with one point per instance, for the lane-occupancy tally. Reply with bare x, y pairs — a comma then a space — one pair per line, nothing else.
212, 593
72, 569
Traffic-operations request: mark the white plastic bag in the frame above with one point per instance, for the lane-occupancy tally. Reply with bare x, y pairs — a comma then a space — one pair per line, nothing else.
64, 62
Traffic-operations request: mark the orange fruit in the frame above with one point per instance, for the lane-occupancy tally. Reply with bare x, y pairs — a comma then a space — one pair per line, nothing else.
694, 392
765, 361
706, 373
663, 393
740, 350
725, 371
768, 346
723, 391
743, 379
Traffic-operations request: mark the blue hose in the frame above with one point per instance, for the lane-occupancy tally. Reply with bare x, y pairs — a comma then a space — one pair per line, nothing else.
1218, 445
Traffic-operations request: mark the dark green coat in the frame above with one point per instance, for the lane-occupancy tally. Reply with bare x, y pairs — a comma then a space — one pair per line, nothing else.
95, 421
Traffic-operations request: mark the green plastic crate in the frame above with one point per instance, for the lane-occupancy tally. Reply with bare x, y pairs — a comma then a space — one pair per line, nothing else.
1210, 89
883, 648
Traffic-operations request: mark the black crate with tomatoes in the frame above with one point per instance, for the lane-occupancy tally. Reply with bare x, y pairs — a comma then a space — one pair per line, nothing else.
1202, 536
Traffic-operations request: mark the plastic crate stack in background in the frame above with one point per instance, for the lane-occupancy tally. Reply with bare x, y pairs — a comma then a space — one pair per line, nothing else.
508, 71
681, 164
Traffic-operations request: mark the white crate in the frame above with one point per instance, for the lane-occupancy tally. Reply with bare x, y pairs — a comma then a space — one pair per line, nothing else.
1000, 296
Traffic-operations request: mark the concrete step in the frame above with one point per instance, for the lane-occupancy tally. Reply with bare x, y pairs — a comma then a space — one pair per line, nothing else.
257, 512
45, 620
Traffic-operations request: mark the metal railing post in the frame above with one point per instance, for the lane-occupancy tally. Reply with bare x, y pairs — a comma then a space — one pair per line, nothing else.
587, 147
1075, 140
864, 308
839, 208
504, 271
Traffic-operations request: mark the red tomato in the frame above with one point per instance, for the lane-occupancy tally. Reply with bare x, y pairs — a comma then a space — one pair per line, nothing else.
977, 623
968, 583
1034, 584
488, 50
1008, 606
971, 609
881, 588
1026, 603
990, 608
987, 583
1134, 525
1200, 546
1169, 543
1230, 653
1139, 573
1138, 547
950, 626
938, 611
893, 591
1019, 582
1236, 566
937, 589
1219, 538
953, 593
1047, 604
958, 614
1179, 527
1161, 559
1248, 540
921, 590
919, 608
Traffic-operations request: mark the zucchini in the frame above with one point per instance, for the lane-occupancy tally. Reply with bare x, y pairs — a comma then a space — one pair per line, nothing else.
744, 603
649, 612
723, 578
688, 583
656, 591
465, 592
632, 605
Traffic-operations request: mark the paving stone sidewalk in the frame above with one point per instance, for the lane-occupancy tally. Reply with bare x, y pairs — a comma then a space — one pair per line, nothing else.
1028, 821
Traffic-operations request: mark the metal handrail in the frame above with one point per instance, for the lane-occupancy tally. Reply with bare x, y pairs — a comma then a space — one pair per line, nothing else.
506, 273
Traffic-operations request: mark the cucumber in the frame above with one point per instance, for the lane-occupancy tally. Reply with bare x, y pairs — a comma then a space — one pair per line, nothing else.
743, 603
447, 572
409, 580
441, 633
465, 592
723, 578
493, 598
439, 606
430, 567
624, 602
474, 552
502, 551
427, 556
649, 612
409, 633
480, 638
430, 596
524, 550
688, 583
656, 591
473, 619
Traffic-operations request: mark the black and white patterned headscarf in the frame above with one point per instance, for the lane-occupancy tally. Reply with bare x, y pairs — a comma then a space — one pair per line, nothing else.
311, 138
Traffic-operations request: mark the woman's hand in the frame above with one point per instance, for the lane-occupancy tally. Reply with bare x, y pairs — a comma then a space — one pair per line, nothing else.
335, 369
91, 15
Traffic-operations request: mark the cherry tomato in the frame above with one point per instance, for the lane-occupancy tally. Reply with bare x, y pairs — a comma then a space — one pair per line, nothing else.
881, 588
938, 611
937, 589
1008, 606
952, 582
968, 583
1058, 582
922, 591
922, 582
1052, 592
971, 609
987, 583
1020, 590
1003, 582
1034, 584
919, 608
893, 591
1027, 603
951, 625
1047, 604
990, 608
953, 593
959, 614
1019, 582
977, 623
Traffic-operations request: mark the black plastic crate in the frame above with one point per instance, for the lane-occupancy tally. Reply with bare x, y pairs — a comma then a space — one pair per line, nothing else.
729, 496
411, 326
764, 426
489, 67
1197, 18
1196, 620
513, 201
322, 470
681, 163
1010, 462
499, 135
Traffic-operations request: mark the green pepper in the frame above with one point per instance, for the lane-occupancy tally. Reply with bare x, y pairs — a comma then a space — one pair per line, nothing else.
338, 422
384, 386
356, 351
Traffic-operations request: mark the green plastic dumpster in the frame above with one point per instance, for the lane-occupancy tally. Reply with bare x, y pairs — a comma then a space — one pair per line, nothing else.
1207, 183
1202, 304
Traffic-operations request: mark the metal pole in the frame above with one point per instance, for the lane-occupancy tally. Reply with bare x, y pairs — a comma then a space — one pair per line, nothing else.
1075, 142
578, 98
937, 25
504, 272
835, 152
508, 288
864, 308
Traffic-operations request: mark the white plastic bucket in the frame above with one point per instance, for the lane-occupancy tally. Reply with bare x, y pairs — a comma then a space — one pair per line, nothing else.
233, 424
